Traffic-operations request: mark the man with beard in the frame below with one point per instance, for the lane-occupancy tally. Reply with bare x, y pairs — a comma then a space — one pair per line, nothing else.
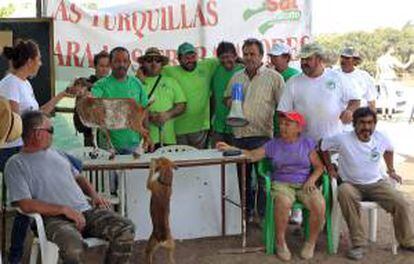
120, 85
226, 52
324, 97
262, 88
359, 167
169, 99
194, 77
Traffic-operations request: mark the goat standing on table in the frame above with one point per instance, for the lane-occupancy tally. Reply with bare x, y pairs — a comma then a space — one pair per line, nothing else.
159, 183
125, 121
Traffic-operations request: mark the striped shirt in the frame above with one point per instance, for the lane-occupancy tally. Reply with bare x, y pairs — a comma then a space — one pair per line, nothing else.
261, 96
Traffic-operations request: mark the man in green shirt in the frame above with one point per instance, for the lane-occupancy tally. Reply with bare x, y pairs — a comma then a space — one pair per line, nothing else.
194, 77
169, 99
120, 85
226, 52
280, 56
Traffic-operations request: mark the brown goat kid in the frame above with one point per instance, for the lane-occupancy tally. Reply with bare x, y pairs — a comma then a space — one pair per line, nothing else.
159, 182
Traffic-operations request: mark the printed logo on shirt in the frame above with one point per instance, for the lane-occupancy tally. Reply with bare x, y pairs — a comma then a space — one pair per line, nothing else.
331, 85
375, 155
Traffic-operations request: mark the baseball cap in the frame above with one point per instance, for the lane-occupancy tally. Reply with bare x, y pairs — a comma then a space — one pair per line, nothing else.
310, 49
350, 52
185, 48
294, 116
279, 49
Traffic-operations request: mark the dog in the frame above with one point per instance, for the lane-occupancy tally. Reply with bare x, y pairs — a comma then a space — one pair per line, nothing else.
159, 182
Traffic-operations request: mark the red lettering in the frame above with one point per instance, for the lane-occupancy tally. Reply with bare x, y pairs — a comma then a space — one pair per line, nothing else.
88, 55
72, 51
107, 22
212, 11
124, 21
184, 17
272, 5
288, 4
58, 52
77, 14
163, 19
171, 19
95, 22
61, 9
199, 15
150, 19
138, 24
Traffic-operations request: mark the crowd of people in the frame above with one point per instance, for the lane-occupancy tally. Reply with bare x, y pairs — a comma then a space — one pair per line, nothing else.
302, 121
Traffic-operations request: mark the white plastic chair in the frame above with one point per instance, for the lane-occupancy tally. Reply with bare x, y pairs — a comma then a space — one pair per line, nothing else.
49, 251
372, 208
100, 180
174, 149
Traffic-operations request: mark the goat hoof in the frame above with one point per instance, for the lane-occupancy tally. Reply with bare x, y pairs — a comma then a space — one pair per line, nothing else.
112, 156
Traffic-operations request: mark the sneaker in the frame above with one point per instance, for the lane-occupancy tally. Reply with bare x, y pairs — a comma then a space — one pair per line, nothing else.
307, 250
355, 253
283, 253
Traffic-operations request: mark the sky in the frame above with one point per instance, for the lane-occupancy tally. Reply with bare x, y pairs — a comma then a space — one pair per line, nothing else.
329, 16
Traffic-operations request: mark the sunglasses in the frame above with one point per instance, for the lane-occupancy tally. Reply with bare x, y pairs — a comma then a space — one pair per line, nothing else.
150, 60
50, 130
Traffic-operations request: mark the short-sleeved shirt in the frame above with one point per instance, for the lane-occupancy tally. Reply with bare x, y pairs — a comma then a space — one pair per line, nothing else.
131, 87
261, 96
363, 83
167, 93
47, 176
358, 162
196, 88
20, 91
320, 100
219, 84
291, 161
288, 73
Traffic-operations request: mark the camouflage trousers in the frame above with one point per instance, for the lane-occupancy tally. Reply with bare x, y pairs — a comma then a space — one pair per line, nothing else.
100, 223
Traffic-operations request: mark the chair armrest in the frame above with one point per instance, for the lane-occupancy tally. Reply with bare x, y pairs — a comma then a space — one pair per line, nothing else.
39, 226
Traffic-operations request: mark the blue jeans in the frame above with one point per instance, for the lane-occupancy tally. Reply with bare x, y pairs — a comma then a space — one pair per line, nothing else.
250, 143
21, 222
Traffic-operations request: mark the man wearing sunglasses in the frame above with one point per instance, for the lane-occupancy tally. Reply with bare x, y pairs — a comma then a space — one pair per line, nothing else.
169, 99
194, 77
43, 180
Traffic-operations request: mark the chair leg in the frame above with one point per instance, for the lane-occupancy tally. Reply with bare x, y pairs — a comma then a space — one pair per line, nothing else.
336, 217
372, 224
34, 251
394, 244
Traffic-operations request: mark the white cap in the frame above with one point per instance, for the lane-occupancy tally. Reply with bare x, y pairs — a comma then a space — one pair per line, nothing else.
279, 49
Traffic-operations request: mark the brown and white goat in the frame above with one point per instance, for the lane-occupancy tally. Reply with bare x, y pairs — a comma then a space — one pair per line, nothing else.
159, 182
111, 114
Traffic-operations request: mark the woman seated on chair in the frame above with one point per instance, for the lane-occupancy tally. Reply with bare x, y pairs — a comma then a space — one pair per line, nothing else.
296, 168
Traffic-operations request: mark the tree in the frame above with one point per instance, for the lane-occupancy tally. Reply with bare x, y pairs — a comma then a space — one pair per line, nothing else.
6, 11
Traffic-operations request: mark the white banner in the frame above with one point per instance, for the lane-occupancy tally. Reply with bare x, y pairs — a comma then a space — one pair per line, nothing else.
81, 33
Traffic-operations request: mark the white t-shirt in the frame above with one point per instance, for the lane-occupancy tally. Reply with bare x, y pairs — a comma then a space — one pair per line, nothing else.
321, 100
15, 89
358, 162
386, 66
363, 83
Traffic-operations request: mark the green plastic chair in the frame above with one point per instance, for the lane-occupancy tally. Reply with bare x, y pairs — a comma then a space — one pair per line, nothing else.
265, 169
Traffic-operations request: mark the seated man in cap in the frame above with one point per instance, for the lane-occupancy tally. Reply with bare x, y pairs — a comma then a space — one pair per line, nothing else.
43, 180
169, 99
194, 77
293, 156
359, 168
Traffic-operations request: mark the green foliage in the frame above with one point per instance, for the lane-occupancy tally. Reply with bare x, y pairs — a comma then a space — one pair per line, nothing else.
6, 11
372, 45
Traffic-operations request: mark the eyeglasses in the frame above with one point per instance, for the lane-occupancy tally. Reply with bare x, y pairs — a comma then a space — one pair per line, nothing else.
150, 60
50, 130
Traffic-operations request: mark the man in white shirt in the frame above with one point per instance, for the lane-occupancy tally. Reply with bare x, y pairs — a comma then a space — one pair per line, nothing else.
323, 96
362, 80
359, 167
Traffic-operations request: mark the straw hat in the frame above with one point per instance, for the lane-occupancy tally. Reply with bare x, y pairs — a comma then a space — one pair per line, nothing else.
11, 124
153, 52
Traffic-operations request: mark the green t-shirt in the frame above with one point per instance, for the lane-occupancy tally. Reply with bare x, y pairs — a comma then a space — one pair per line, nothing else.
219, 84
131, 87
196, 88
286, 74
167, 93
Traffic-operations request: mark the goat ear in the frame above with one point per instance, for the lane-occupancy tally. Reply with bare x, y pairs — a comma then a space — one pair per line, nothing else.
175, 167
